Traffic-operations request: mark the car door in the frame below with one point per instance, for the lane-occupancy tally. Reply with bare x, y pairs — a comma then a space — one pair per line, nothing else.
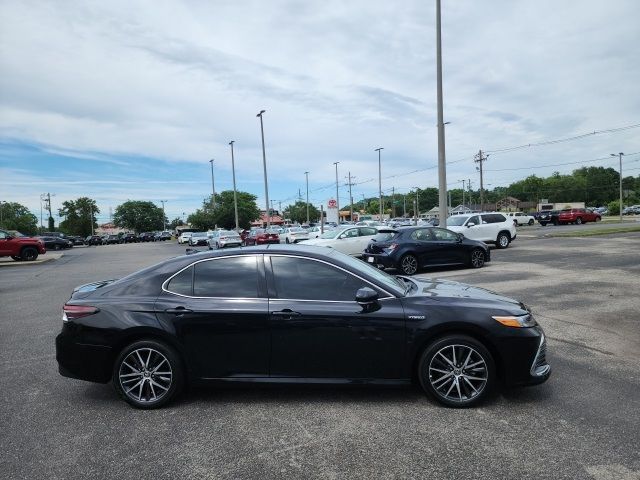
426, 250
348, 242
474, 228
447, 245
5, 244
318, 330
218, 310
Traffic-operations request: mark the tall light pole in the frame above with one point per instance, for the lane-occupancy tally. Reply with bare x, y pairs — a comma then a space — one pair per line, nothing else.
164, 217
379, 179
235, 194
417, 209
620, 156
337, 194
264, 164
213, 186
462, 195
306, 174
442, 165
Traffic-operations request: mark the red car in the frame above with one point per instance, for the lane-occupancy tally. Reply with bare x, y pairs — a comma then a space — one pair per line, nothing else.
260, 237
578, 216
20, 247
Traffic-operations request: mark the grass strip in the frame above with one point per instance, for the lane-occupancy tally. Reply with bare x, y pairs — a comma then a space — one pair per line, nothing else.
592, 233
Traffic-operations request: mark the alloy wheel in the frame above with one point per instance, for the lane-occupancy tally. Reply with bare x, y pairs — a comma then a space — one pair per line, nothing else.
409, 265
477, 259
145, 375
458, 373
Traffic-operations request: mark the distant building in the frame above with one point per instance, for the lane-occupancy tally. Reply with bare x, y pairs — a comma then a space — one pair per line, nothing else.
109, 229
261, 222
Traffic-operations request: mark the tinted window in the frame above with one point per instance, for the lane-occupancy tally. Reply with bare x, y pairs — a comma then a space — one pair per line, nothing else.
444, 235
352, 232
475, 220
493, 218
304, 279
385, 235
234, 277
421, 235
182, 283
367, 231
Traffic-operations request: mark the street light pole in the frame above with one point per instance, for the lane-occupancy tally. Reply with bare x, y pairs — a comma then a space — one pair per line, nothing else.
264, 164
337, 194
462, 195
164, 217
307, 178
442, 165
235, 194
620, 156
379, 179
213, 186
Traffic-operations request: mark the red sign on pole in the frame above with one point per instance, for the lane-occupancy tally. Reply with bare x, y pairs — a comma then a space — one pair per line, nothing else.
332, 203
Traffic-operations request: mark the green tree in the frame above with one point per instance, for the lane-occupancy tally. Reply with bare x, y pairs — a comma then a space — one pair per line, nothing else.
298, 212
614, 207
223, 215
80, 216
139, 216
18, 217
176, 222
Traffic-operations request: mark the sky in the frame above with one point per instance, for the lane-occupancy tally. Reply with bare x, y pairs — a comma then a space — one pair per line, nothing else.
129, 100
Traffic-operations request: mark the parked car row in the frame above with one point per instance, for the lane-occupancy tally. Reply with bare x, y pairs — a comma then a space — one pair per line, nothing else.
576, 216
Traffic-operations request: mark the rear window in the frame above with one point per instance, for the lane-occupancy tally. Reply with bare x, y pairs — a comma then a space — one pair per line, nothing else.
493, 218
385, 235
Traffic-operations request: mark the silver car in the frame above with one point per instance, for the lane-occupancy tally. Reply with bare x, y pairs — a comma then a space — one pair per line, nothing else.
224, 238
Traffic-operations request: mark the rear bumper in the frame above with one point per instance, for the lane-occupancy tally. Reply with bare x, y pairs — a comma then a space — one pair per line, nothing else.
268, 242
379, 259
229, 244
92, 363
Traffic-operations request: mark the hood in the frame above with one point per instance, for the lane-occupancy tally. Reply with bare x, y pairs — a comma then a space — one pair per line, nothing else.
447, 290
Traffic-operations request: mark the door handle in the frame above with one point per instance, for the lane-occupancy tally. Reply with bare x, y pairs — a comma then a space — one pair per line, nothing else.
178, 310
286, 313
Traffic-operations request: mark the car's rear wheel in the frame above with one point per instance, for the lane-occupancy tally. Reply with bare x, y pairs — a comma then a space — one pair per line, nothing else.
476, 258
598, 219
503, 240
409, 264
578, 221
148, 374
457, 370
531, 222
29, 254
544, 224
286, 240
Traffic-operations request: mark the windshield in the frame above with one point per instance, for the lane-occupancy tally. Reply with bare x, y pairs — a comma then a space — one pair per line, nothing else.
297, 229
199, 234
456, 221
389, 282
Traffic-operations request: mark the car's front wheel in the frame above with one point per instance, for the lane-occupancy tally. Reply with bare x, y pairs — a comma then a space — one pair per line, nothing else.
578, 221
531, 222
16, 258
409, 264
148, 374
457, 370
476, 259
503, 240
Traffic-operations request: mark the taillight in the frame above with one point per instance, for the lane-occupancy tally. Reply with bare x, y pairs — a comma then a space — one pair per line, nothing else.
73, 312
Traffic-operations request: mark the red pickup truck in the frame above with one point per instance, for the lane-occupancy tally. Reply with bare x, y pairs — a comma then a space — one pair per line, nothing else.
578, 216
20, 247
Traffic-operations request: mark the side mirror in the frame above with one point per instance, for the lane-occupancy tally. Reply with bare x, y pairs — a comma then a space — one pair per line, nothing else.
471, 224
366, 296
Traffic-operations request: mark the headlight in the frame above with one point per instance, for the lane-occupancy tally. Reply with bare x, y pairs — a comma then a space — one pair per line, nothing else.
516, 321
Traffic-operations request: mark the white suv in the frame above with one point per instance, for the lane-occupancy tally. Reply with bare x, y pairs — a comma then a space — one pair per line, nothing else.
487, 227
520, 218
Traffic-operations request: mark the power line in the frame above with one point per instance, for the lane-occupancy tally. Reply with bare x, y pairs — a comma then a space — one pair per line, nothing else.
555, 164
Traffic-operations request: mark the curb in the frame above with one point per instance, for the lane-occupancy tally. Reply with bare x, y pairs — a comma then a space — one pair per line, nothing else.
10, 262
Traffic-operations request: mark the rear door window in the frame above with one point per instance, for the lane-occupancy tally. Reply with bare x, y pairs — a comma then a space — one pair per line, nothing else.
232, 277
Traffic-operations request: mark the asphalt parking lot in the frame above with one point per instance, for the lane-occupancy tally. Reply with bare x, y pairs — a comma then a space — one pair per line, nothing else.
583, 423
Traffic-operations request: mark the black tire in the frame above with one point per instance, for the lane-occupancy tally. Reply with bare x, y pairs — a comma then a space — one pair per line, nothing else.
409, 264
503, 240
544, 224
16, 258
129, 369
56, 247
531, 222
29, 254
556, 223
468, 386
578, 221
598, 219
476, 258
286, 239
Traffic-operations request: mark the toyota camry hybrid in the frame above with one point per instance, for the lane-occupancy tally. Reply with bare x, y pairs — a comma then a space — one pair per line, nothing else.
294, 314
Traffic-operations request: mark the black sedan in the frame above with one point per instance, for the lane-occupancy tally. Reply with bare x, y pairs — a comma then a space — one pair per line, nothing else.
294, 314
93, 240
56, 243
410, 248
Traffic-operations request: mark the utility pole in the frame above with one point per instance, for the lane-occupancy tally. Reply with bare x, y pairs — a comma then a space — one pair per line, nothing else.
462, 195
480, 158
91, 219
380, 180
164, 218
469, 191
351, 197
442, 164
416, 213
393, 202
307, 178
280, 207
337, 194
404, 208
264, 164
620, 156
235, 194
213, 187
450, 206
